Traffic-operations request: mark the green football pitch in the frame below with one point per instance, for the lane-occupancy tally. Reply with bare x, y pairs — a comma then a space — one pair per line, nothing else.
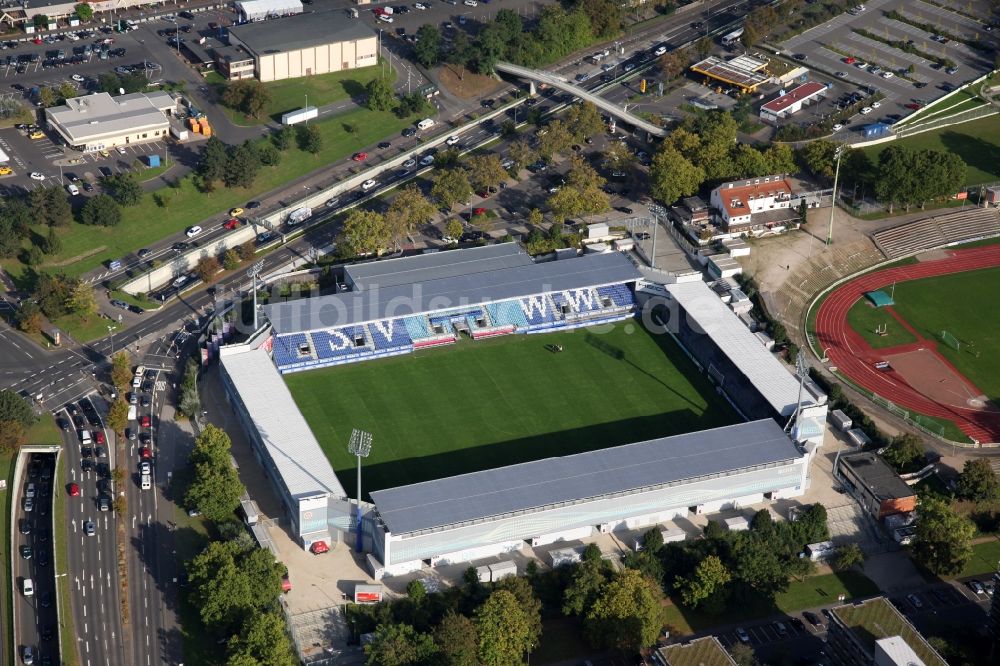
489, 403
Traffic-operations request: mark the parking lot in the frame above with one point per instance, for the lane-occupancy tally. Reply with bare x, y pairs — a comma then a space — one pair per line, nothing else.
858, 61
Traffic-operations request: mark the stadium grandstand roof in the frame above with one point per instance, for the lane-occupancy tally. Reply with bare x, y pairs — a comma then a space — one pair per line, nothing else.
301, 463
776, 384
424, 267
448, 293
744, 71
621, 469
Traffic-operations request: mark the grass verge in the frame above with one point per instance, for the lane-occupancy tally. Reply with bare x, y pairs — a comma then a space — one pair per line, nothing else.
6, 579
508, 400
985, 556
171, 209
67, 632
815, 591
143, 303
190, 538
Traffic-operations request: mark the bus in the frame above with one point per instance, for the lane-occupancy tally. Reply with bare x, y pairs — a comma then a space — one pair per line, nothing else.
732, 38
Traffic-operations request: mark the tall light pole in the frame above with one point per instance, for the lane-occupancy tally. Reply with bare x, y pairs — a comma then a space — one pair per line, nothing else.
833, 198
360, 445
253, 272
111, 334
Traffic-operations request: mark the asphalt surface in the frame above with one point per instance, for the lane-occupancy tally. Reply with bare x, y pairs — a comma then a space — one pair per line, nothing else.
37, 626
92, 565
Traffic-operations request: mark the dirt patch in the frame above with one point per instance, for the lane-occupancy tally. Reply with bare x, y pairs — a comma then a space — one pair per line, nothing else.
464, 84
79, 257
933, 255
927, 372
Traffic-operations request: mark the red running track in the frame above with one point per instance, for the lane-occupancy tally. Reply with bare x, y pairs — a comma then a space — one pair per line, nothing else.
847, 350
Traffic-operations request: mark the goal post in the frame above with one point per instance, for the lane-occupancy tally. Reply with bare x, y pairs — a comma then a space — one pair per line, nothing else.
950, 340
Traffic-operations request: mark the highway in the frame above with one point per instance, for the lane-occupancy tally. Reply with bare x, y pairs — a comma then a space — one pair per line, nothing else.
92, 569
37, 626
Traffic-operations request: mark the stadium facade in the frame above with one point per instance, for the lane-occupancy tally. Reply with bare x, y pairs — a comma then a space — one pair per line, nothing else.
399, 306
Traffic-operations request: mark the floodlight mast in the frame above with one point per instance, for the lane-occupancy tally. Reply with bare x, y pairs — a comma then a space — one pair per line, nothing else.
801, 371
360, 446
253, 272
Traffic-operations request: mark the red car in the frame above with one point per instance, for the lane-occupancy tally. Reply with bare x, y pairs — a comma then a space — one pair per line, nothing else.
319, 547
146, 422
359, 157
479, 211
850, 60
145, 453
286, 584
231, 224
484, 194
914, 106
73, 490
99, 437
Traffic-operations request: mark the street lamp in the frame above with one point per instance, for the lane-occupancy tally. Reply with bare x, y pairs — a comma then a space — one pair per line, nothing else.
833, 197
111, 333
360, 446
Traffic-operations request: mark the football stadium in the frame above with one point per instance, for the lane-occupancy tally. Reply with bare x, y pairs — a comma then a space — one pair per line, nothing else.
514, 403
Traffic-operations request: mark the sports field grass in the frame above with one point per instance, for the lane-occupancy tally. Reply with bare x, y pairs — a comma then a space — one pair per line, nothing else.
864, 319
958, 303
977, 142
484, 404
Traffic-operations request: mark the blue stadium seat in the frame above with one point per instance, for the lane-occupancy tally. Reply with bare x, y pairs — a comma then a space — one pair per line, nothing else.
389, 334
507, 313
417, 327
338, 342
620, 295
537, 310
583, 300
286, 349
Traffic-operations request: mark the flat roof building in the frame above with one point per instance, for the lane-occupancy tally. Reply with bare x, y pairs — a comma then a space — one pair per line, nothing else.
874, 632
262, 10
745, 72
792, 102
99, 121
706, 651
306, 44
879, 489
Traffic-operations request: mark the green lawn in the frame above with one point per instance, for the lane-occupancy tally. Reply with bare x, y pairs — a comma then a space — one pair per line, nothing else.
814, 591
984, 560
85, 248
485, 404
949, 302
940, 108
864, 318
7, 473
320, 90
977, 142
67, 633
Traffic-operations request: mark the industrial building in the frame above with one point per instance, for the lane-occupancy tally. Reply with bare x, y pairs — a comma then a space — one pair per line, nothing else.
789, 103
874, 632
99, 121
306, 44
537, 503
876, 485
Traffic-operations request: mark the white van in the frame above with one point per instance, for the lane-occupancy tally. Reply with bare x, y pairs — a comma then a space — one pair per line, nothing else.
85, 438
27, 587
424, 124
146, 482
73, 189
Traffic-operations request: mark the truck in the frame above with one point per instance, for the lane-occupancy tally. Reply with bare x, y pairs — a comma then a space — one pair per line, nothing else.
298, 216
732, 38
367, 594
132, 413
299, 115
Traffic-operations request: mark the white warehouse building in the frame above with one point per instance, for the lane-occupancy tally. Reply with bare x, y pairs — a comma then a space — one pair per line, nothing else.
532, 504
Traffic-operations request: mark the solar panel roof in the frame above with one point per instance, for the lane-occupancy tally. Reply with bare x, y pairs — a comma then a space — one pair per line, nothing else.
446, 293
479, 495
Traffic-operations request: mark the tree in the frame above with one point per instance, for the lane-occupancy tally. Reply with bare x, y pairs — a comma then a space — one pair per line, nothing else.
399, 645
190, 403
460, 51
708, 577
121, 370
247, 251
748, 162
535, 217
380, 95
244, 163
427, 50
555, 140
118, 415
413, 104
451, 186
81, 301
364, 232
485, 171
40, 21
743, 655
943, 539
819, 158
408, 210
13, 436
848, 556
48, 205
284, 137
588, 581
29, 317
416, 592
618, 156
267, 154
503, 630
215, 490
522, 154
582, 194
214, 161
904, 452
248, 95
605, 17
628, 614
584, 120
529, 603
15, 220
263, 639
309, 138
47, 96
978, 482
758, 565
456, 640
229, 580
207, 267
673, 63
84, 11
231, 259
673, 176
51, 244
453, 227
15, 409
125, 189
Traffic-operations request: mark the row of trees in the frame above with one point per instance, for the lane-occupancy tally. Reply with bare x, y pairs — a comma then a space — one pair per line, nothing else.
703, 149
216, 489
558, 31
238, 166
55, 296
908, 177
16, 416
209, 265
